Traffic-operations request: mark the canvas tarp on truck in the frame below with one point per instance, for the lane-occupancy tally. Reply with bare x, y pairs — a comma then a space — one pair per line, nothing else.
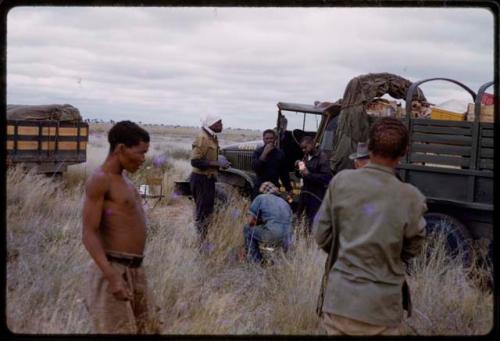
354, 123
56, 112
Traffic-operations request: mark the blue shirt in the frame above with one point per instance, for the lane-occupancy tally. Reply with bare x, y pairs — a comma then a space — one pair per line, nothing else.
273, 211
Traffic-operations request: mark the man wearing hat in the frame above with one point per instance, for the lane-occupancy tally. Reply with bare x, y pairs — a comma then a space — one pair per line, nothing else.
270, 221
205, 163
361, 157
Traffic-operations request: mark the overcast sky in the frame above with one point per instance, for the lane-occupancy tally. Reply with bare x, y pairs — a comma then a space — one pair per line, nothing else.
171, 65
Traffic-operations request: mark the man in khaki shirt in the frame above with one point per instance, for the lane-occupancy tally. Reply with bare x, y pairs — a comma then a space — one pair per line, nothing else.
369, 223
206, 163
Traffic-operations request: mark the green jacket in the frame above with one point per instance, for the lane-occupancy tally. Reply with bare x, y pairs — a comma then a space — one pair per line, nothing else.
375, 222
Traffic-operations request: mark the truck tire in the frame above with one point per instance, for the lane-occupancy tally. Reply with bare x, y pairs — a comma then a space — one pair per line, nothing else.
222, 191
458, 238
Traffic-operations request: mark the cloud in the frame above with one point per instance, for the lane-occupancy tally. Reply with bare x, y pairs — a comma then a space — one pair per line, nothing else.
170, 65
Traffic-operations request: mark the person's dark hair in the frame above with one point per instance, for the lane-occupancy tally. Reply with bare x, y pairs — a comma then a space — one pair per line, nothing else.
128, 133
388, 138
307, 139
269, 131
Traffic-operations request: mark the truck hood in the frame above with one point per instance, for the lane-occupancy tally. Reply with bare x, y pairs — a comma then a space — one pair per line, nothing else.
248, 145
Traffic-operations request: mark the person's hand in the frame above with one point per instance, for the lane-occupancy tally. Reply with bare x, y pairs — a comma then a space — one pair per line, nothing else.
304, 171
119, 289
267, 148
223, 162
289, 197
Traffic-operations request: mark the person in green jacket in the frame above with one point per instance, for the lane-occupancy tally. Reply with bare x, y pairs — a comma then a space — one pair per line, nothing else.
370, 223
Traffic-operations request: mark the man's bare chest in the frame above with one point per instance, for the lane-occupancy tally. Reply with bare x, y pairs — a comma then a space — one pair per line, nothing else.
123, 193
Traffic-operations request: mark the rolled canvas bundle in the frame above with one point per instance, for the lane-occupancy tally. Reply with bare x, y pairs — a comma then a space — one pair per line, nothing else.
56, 112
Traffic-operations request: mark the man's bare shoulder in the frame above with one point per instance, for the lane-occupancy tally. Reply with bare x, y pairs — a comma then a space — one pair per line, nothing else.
98, 182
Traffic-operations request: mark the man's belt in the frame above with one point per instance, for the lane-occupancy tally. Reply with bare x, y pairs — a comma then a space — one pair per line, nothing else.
132, 262
208, 175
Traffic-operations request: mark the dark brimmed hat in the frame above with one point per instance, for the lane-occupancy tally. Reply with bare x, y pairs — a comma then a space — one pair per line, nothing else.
361, 151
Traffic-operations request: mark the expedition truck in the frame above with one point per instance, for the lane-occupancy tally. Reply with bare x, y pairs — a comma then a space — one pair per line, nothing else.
48, 138
450, 161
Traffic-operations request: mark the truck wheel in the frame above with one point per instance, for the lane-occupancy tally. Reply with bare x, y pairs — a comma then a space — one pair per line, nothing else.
222, 191
458, 238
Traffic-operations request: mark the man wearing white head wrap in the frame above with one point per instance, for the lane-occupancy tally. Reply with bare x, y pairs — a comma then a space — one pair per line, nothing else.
208, 120
206, 163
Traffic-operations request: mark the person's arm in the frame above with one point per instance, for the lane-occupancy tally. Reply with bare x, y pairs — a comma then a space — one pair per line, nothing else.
199, 154
252, 220
253, 212
93, 205
283, 173
200, 164
324, 174
324, 223
298, 174
297, 171
257, 164
414, 233
268, 148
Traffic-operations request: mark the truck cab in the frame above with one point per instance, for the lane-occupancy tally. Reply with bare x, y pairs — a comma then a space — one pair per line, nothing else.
449, 161
294, 121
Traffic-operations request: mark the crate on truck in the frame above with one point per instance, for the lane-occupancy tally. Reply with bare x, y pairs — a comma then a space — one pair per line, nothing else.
48, 138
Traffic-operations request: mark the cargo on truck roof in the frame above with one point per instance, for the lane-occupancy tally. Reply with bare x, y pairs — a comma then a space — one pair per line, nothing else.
55, 112
319, 108
48, 138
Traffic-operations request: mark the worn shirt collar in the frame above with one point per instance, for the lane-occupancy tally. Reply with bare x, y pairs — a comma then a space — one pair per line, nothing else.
210, 132
381, 168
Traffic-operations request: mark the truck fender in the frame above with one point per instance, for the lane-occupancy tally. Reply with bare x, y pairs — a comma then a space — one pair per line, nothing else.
236, 177
231, 176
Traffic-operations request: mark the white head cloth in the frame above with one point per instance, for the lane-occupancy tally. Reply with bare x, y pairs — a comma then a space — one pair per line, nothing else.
208, 120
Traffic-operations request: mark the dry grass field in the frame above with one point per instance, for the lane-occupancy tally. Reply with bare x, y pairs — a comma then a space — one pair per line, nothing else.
194, 294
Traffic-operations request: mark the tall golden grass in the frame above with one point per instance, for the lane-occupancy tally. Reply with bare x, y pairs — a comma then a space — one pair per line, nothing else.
197, 293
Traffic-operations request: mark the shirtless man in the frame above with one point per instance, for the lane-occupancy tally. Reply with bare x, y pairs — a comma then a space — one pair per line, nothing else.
114, 234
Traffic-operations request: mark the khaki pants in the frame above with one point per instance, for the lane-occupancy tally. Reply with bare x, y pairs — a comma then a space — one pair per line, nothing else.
340, 325
112, 316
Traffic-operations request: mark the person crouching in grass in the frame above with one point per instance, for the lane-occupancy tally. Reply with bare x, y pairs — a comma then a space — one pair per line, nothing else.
270, 222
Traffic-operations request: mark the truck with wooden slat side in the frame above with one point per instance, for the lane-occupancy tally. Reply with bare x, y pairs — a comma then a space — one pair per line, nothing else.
48, 138
450, 162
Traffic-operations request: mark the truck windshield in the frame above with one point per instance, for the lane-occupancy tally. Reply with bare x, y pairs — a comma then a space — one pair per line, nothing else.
296, 121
